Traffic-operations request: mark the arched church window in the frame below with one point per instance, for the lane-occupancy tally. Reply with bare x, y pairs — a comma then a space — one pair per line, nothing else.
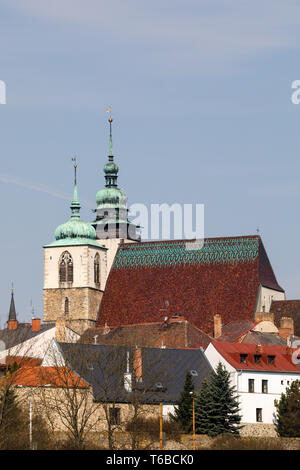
66, 267
97, 269
66, 306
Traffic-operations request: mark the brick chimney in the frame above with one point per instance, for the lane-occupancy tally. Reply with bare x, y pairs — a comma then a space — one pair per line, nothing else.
263, 316
286, 327
138, 364
12, 324
36, 324
60, 330
217, 325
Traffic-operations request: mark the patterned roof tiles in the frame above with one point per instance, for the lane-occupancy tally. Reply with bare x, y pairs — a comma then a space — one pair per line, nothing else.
223, 277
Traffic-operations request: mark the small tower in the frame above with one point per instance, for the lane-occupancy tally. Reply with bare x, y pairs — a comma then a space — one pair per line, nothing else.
74, 272
12, 316
112, 225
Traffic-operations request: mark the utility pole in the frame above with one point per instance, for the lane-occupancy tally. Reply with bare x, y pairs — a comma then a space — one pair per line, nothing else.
161, 427
30, 420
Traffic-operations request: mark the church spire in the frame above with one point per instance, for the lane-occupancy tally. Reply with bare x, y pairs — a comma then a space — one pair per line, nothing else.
12, 309
75, 204
110, 151
111, 169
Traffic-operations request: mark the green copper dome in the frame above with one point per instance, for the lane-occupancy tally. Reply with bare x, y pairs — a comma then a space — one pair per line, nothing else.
111, 167
75, 227
111, 197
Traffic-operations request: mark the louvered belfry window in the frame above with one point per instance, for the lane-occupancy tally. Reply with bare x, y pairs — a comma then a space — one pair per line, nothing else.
97, 269
66, 267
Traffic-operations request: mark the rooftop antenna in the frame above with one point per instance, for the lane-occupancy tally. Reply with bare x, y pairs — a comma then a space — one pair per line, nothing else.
32, 309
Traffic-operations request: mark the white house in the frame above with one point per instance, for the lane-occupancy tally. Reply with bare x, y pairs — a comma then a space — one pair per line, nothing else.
260, 375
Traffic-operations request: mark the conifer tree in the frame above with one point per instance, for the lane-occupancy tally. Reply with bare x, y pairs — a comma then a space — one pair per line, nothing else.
202, 408
288, 412
184, 411
219, 405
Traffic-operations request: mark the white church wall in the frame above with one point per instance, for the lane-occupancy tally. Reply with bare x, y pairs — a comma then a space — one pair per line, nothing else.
265, 298
83, 266
112, 244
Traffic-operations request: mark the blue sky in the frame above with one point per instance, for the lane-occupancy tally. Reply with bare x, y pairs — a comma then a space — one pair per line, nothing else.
201, 98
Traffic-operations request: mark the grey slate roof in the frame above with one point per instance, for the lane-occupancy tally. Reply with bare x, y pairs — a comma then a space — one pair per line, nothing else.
22, 333
103, 367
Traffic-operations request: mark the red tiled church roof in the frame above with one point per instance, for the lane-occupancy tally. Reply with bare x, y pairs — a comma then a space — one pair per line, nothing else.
283, 361
223, 277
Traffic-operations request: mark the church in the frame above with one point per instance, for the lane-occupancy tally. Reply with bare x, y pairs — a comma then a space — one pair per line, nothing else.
101, 273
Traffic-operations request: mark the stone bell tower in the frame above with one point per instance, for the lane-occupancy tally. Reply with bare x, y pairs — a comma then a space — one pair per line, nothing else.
75, 270
111, 224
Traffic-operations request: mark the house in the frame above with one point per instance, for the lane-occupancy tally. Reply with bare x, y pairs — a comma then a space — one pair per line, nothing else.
32, 341
260, 330
260, 374
287, 308
123, 375
174, 332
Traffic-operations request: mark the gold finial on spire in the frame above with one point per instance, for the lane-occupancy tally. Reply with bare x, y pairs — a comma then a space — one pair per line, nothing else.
12, 288
74, 160
75, 167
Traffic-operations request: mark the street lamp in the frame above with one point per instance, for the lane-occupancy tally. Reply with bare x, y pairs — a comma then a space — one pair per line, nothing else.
194, 424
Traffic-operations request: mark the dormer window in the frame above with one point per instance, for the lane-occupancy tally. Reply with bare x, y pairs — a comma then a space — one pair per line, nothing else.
271, 359
257, 358
243, 358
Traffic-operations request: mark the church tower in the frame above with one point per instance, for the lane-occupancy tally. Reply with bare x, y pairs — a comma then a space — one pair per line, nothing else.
75, 270
112, 225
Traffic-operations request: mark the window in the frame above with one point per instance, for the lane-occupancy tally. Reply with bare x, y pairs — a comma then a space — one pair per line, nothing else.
282, 382
66, 306
251, 385
66, 267
97, 269
259, 415
243, 358
264, 386
271, 359
257, 358
114, 416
